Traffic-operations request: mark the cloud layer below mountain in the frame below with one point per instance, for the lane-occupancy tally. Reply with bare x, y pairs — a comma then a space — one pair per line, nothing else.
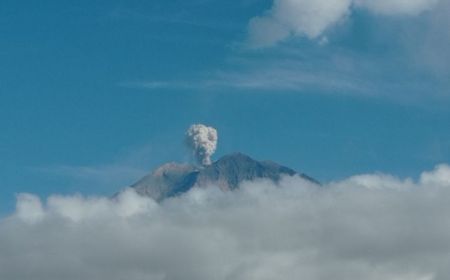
312, 18
365, 227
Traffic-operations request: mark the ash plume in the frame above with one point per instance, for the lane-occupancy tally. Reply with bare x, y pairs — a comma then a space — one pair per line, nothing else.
202, 140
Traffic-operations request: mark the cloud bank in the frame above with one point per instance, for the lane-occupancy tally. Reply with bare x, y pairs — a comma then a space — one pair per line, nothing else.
311, 19
368, 227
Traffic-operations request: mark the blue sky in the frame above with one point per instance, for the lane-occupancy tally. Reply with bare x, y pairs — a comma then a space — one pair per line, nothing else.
93, 94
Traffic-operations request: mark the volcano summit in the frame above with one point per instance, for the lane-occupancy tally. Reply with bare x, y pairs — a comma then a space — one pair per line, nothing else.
227, 173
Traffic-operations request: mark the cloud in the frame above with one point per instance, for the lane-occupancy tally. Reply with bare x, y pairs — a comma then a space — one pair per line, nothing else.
284, 71
431, 49
302, 17
100, 175
202, 140
121, 171
308, 72
397, 7
311, 19
371, 227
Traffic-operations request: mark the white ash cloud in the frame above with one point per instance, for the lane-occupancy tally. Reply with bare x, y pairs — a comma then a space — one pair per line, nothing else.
311, 19
365, 227
202, 140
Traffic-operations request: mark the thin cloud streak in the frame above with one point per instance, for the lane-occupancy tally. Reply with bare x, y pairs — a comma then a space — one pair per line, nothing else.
343, 75
278, 76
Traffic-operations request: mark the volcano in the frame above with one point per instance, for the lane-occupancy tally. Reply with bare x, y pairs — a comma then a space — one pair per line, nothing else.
227, 173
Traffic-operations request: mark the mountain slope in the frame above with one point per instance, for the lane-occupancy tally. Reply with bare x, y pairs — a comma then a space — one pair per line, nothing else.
227, 173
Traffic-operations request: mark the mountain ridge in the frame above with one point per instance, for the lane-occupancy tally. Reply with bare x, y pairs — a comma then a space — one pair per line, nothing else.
227, 173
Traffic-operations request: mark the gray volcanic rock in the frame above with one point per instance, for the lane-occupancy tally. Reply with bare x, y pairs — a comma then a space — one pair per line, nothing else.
227, 173
232, 169
166, 181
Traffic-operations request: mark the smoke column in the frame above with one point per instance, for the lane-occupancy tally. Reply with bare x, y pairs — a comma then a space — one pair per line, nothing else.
203, 142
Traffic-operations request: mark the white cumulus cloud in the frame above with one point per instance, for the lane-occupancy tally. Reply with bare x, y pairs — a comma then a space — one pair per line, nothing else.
368, 227
311, 18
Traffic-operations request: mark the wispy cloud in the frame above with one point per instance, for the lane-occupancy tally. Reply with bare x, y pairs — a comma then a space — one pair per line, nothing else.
113, 176
123, 171
155, 85
181, 14
291, 74
413, 68
329, 72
